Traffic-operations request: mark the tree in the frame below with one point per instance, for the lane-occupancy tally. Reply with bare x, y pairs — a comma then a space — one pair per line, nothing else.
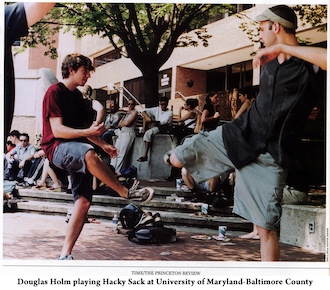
146, 33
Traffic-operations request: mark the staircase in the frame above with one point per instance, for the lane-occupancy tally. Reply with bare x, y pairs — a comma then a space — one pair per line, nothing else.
104, 206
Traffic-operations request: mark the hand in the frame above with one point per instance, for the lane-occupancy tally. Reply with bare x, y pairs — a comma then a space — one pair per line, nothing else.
96, 129
265, 55
39, 154
21, 164
111, 150
216, 115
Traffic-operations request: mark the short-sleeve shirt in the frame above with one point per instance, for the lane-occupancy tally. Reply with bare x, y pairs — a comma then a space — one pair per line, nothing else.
23, 152
156, 113
276, 117
112, 120
59, 101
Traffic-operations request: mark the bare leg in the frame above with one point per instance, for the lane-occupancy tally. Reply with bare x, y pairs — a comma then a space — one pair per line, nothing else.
44, 174
269, 245
52, 174
187, 178
102, 172
75, 225
146, 149
213, 183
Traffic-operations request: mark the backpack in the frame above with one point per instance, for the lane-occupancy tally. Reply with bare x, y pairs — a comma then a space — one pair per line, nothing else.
130, 216
150, 230
152, 235
129, 172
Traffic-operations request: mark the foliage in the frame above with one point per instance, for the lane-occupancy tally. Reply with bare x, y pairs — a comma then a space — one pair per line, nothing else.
139, 27
144, 32
315, 15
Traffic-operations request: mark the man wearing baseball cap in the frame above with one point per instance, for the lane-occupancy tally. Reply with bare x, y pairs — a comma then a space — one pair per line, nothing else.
281, 14
261, 144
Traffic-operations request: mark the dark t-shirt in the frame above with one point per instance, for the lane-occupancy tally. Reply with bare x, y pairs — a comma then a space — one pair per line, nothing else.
211, 125
275, 119
15, 27
91, 114
59, 101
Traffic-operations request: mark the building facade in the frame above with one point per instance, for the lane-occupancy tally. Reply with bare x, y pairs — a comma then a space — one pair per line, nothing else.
191, 71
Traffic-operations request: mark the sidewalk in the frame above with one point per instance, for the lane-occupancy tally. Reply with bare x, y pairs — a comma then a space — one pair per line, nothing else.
40, 237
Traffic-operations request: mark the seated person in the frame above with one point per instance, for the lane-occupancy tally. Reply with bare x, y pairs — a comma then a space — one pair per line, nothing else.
214, 191
160, 119
36, 169
210, 115
187, 123
126, 136
48, 170
20, 159
9, 146
13, 136
111, 123
199, 190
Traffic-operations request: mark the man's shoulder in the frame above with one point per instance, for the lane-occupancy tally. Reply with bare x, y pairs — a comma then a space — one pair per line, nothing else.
30, 146
56, 87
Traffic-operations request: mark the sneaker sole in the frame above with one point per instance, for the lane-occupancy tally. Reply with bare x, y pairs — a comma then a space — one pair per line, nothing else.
151, 193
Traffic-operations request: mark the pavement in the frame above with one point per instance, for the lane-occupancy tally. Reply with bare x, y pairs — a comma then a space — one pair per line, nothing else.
28, 236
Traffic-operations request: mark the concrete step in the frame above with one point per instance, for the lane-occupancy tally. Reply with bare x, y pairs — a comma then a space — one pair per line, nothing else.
163, 200
183, 213
233, 223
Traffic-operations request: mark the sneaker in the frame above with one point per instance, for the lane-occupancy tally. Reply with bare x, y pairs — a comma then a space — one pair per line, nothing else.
142, 195
67, 257
145, 221
157, 221
24, 184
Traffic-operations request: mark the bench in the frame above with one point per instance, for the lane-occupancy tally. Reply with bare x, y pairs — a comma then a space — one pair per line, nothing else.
303, 226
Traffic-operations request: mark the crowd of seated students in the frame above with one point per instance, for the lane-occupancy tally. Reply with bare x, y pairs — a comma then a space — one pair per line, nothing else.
29, 168
25, 164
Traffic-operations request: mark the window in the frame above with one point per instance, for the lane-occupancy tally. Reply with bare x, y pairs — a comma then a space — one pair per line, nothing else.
106, 58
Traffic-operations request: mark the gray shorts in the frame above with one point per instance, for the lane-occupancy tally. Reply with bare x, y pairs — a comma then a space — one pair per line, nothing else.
258, 186
70, 156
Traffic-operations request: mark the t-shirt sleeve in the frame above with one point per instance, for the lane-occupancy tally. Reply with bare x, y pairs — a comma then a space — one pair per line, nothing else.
15, 22
51, 104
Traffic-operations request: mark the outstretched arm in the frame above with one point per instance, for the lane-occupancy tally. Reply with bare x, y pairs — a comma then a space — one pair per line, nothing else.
36, 10
314, 55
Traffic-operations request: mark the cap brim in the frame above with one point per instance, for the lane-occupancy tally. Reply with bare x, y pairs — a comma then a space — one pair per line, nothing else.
261, 18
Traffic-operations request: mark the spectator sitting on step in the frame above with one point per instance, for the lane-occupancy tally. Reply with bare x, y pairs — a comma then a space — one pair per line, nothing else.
95, 108
53, 173
126, 136
36, 169
9, 146
13, 136
159, 118
187, 123
20, 159
246, 102
12, 141
210, 115
111, 123
209, 191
